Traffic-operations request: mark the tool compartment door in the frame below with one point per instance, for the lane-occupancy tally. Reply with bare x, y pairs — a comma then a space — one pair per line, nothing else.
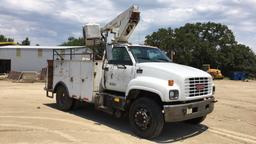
86, 82
74, 79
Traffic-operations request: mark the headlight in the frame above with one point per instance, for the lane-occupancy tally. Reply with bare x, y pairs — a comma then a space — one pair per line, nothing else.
173, 94
213, 89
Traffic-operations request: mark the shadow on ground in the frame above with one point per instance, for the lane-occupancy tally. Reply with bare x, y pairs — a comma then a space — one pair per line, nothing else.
172, 132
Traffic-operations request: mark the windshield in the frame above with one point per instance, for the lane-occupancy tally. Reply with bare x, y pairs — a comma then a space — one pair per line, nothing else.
147, 54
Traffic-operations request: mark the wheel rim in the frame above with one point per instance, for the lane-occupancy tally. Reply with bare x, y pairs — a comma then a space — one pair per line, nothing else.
62, 96
142, 118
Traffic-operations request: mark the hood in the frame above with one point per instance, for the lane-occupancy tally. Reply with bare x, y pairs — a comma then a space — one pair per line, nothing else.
170, 70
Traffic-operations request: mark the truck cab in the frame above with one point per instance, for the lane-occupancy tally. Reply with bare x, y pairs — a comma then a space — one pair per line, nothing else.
129, 67
144, 73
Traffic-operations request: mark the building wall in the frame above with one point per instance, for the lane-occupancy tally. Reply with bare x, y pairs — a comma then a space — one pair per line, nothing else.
28, 59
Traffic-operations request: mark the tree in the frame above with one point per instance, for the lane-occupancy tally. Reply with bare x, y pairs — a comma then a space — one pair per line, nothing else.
5, 39
164, 38
238, 58
72, 41
204, 43
26, 41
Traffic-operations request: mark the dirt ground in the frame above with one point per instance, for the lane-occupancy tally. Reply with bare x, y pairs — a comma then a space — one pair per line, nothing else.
28, 116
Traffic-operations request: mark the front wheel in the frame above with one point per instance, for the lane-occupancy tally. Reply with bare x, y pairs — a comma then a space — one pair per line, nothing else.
64, 102
146, 118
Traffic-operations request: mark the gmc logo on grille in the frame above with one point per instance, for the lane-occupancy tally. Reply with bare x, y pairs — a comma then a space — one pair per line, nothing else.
200, 87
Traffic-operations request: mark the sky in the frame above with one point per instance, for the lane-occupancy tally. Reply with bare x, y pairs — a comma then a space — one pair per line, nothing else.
51, 22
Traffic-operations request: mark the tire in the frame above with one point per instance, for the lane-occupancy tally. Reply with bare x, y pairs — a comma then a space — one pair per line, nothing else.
148, 111
64, 102
196, 120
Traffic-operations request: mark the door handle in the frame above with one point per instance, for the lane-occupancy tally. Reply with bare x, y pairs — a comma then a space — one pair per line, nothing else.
105, 68
121, 67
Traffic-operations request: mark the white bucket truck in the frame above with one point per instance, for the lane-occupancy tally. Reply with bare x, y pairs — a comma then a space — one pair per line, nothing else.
137, 80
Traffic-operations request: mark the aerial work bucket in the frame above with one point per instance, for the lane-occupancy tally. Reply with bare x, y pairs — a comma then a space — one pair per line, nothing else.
92, 34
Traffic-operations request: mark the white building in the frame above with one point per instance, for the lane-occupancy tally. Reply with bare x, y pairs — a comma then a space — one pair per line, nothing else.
26, 58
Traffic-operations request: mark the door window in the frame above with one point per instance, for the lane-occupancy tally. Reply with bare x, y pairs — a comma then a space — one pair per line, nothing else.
120, 56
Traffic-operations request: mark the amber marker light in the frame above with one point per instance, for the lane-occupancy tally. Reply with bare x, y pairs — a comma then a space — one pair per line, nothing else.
170, 82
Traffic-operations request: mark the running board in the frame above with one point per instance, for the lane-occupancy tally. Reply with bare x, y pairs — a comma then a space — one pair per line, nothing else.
110, 101
105, 109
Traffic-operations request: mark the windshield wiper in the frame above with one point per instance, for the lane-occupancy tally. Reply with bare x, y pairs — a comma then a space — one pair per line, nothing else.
143, 58
162, 59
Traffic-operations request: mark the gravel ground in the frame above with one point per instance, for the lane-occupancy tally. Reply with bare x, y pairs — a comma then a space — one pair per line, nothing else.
28, 116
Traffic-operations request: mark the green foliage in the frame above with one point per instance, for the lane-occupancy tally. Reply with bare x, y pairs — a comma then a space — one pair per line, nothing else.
205, 43
238, 58
163, 38
99, 50
72, 41
26, 41
5, 39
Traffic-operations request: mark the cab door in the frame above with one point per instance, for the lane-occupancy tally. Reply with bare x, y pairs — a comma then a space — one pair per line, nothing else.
119, 70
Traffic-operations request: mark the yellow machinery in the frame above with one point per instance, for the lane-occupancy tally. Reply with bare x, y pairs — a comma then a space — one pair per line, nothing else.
216, 73
7, 43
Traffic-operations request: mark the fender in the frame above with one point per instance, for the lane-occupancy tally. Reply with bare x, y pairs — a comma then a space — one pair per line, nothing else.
151, 84
60, 83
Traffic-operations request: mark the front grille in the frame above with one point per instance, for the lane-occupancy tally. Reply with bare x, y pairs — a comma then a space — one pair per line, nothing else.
198, 86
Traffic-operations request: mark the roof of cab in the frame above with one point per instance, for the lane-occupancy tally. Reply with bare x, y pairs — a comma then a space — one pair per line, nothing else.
134, 45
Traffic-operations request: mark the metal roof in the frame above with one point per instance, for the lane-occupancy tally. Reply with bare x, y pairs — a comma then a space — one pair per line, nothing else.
40, 47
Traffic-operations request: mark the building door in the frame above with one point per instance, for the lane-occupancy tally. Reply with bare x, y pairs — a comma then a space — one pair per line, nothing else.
5, 66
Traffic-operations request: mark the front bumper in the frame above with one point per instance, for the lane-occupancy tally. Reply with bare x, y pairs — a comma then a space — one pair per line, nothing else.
181, 112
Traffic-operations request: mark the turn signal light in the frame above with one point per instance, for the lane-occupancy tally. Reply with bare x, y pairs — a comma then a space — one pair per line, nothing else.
170, 82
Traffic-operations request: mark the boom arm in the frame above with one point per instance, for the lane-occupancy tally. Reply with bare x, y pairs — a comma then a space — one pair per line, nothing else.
123, 25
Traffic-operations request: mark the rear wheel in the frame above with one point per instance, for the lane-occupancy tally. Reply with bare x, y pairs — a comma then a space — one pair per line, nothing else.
146, 118
196, 120
64, 102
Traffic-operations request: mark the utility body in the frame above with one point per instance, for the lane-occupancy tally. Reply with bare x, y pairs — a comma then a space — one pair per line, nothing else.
134, 80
